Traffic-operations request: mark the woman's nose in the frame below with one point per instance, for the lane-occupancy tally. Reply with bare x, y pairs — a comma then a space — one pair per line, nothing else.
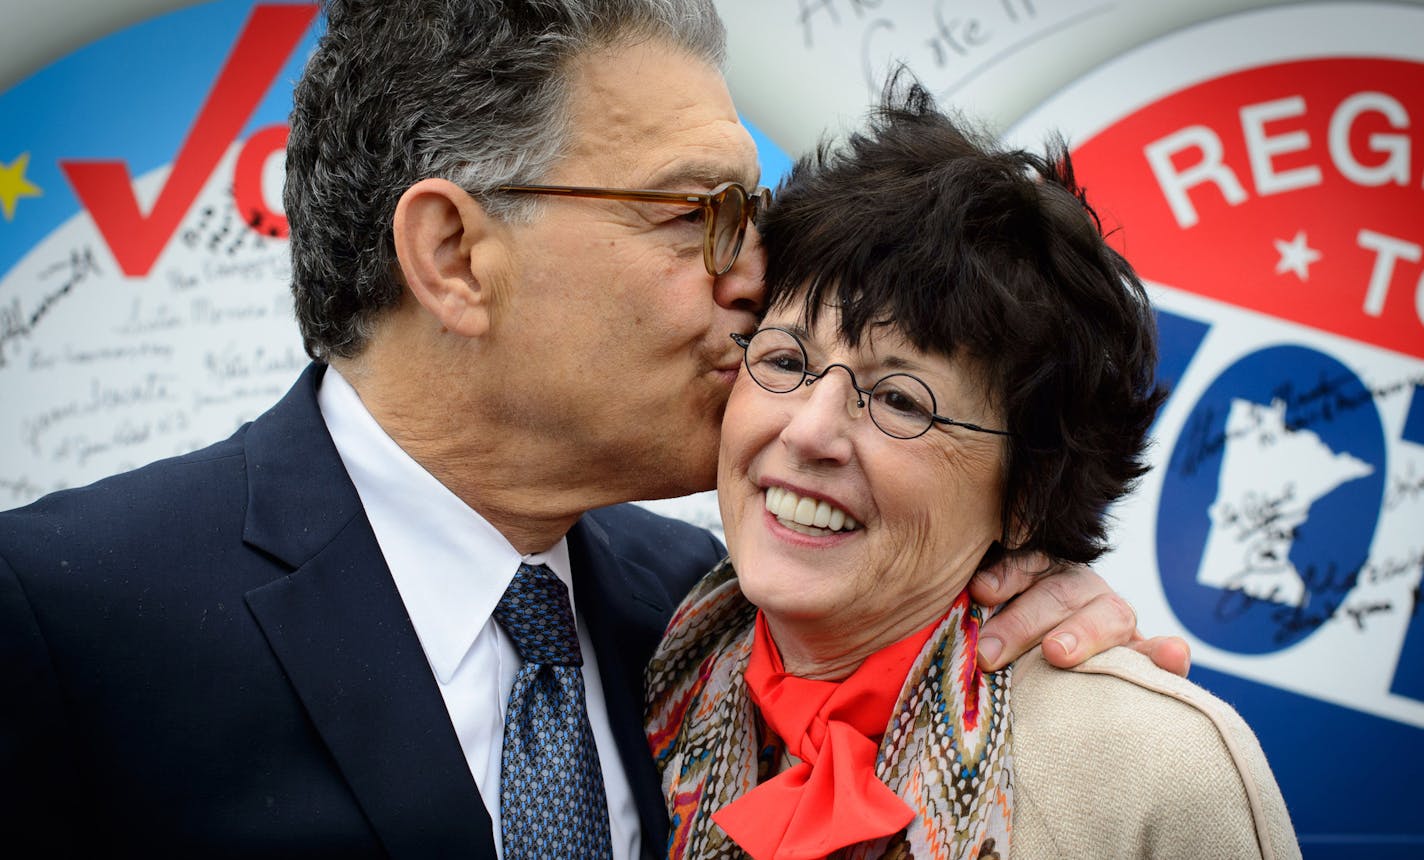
823, 419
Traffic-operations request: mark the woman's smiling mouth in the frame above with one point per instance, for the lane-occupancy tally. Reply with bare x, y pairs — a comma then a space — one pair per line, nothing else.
807, 516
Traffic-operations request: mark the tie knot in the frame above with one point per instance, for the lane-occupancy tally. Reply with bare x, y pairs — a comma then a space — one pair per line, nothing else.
535, 613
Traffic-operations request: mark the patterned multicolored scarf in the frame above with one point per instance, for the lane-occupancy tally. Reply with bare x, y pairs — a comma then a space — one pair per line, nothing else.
946, 751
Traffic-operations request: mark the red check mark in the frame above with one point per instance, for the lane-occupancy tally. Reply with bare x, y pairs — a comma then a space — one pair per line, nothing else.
105, 187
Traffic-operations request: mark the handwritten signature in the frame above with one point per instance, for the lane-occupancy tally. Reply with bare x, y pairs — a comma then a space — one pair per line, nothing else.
102, 398
1206, 433
1403, 488
1326, 596
1332, 396
16, 323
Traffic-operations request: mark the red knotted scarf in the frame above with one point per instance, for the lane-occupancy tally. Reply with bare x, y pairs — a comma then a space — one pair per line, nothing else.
832, 797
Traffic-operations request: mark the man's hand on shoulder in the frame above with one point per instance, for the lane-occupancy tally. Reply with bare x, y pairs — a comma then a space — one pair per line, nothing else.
1071, 610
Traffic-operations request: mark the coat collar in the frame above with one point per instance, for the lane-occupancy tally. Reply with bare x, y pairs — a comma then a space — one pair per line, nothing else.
341, 633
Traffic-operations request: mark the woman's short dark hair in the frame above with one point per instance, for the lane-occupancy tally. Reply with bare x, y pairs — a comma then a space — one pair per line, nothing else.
931, 228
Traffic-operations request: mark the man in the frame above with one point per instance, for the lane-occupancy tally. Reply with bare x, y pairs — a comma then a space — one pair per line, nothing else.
289, 642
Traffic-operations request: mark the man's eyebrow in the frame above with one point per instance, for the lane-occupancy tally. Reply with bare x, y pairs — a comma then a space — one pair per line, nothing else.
697, 175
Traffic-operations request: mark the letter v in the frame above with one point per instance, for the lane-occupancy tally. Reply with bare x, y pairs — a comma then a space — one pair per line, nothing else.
104, 187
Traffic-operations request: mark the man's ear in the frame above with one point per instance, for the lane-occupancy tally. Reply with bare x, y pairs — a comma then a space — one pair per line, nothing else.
440, 233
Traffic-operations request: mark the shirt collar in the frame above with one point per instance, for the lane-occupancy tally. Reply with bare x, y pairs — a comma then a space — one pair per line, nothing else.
449, 564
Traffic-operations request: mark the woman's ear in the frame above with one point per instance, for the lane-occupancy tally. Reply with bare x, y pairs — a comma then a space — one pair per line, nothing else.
440, 234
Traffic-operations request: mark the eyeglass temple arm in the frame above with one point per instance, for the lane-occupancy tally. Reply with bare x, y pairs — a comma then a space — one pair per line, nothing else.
633, 194
939, 419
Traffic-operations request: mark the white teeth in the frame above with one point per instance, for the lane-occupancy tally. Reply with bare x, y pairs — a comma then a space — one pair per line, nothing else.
806, 530
805, 512
806, 515
785, 504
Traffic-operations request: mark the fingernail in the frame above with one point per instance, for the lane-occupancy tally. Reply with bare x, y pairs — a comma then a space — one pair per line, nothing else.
1067, 641
989, 650
994, 581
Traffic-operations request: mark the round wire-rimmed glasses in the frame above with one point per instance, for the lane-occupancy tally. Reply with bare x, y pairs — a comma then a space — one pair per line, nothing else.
726, 209
901, 405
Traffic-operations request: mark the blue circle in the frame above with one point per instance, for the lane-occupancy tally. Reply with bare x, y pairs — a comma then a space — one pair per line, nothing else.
1327, 549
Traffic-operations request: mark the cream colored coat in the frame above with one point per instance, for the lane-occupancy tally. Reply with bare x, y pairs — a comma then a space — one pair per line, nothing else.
1119, 759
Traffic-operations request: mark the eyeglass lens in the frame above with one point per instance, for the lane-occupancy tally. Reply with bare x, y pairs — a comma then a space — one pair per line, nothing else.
900, 405
728, 226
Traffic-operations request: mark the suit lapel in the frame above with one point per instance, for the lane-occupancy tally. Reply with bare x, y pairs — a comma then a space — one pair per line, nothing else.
624, 625
341, 633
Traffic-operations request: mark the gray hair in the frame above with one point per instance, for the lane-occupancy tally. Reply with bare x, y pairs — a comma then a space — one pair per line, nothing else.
474, 91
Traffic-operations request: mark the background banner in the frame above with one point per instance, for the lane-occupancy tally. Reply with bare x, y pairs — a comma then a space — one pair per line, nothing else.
1262, 172
1261, 164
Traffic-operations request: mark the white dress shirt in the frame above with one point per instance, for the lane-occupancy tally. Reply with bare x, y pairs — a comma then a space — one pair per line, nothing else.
451, 568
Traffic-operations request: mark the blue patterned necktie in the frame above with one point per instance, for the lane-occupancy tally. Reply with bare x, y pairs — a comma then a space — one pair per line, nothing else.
551, 786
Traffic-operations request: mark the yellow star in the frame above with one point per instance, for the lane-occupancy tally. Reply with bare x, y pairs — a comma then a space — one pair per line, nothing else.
14, 185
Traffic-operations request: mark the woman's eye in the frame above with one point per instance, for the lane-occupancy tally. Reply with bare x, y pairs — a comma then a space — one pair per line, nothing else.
782, 364
901, 402
696, 216
788, 363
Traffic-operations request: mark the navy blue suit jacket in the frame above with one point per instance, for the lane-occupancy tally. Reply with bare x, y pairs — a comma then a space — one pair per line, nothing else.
208, 656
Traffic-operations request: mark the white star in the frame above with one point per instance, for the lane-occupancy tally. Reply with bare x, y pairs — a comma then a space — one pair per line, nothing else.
1296, 256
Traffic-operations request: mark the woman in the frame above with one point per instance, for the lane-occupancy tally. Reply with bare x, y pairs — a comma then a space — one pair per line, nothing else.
953, 366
